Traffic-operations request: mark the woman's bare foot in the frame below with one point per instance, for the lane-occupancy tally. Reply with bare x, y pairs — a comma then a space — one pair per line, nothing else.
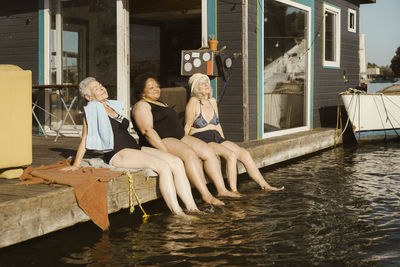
185, 216
180, 213
228, 193
193, 210
272, 188
237, 193
214, 201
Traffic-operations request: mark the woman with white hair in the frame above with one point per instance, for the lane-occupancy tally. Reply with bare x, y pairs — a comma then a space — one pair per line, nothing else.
104, 128
201, 121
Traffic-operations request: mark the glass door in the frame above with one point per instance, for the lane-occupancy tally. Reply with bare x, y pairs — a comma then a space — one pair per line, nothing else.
159, 31
83, 42
286, 67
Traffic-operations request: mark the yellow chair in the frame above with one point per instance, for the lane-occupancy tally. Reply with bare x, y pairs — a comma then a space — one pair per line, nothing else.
15, 120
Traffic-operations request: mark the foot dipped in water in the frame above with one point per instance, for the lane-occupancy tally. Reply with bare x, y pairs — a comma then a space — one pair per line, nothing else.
193, 210
228, 193
237, 193
188, 217
213, 201
272, 188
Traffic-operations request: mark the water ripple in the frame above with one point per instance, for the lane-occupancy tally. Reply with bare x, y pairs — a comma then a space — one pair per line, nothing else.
340, 207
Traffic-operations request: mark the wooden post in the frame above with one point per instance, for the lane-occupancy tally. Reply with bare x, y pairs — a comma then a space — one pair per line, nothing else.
59, 65
47, 54
245, 63
123, 55
204, 25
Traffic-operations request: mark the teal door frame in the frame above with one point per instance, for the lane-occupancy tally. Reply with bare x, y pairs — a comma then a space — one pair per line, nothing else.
260, 68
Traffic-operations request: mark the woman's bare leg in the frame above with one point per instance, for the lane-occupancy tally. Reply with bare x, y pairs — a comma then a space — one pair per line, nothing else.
193, 168
133, 158
182, 184
212, 165
244, 156
231, 161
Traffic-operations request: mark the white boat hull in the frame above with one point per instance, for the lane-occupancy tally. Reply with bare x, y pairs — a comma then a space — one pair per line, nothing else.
373, 116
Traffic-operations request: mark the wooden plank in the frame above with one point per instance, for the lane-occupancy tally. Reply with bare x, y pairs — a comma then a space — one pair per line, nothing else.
29, 217
24, 189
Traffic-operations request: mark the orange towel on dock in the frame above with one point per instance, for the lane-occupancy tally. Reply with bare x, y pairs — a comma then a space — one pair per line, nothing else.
90, 191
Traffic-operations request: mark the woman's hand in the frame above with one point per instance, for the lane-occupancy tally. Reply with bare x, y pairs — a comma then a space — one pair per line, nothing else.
70, 168
81, 150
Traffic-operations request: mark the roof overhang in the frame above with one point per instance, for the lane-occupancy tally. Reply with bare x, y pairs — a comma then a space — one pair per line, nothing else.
367, 2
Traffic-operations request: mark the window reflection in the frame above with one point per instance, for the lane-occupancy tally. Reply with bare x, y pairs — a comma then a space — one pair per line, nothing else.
88, 47
285, 66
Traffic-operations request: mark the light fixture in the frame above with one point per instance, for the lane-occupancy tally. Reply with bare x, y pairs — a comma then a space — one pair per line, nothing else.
228, 62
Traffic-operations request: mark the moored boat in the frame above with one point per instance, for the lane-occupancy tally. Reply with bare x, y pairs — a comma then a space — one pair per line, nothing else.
374, 116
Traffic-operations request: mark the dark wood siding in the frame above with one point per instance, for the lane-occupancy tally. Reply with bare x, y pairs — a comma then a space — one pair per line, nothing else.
328, 83
229, 33
252, 44
19, 37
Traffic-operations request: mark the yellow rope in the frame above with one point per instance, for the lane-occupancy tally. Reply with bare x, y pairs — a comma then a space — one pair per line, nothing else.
131, 192
338, 118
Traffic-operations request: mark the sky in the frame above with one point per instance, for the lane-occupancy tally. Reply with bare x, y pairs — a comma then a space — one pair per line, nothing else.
380, 23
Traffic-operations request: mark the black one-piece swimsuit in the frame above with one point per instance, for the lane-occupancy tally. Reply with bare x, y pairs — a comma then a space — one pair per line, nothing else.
165, 122
122, 138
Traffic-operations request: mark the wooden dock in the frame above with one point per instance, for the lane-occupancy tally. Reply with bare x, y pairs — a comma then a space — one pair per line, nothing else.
29, 211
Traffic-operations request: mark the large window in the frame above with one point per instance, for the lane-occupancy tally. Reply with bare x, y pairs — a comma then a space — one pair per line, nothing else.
83, 42
286, 66
331, 36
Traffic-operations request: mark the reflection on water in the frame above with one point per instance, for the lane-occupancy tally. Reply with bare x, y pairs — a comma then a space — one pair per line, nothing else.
340, 207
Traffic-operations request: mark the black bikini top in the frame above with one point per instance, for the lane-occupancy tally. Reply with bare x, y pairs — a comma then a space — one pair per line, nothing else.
200, 121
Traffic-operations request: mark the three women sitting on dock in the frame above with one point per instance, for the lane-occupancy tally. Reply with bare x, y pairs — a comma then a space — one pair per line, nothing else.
104, 128
158, 125
202, 122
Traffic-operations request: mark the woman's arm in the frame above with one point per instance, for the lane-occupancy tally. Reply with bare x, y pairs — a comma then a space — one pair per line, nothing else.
190, 114
81, 150
143, 117
215, 106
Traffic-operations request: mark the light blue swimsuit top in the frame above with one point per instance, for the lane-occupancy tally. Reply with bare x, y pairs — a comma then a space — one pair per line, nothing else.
200, 121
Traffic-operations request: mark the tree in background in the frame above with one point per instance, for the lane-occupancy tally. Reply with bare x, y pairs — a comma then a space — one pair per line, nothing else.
386, 71
395, 63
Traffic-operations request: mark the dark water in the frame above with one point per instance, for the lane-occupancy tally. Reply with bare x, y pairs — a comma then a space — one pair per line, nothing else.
341, 207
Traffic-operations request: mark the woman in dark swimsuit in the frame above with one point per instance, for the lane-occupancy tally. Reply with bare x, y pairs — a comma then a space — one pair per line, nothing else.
122, 150
202, 121
158, 125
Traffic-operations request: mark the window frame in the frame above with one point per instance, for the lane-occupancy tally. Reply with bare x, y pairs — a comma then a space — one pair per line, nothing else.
309, 67
354, 13
337, 34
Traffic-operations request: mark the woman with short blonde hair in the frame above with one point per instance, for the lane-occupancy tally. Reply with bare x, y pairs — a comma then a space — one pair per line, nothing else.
202, 122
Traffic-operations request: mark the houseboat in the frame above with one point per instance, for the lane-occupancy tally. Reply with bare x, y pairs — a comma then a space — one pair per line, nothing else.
291, 58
